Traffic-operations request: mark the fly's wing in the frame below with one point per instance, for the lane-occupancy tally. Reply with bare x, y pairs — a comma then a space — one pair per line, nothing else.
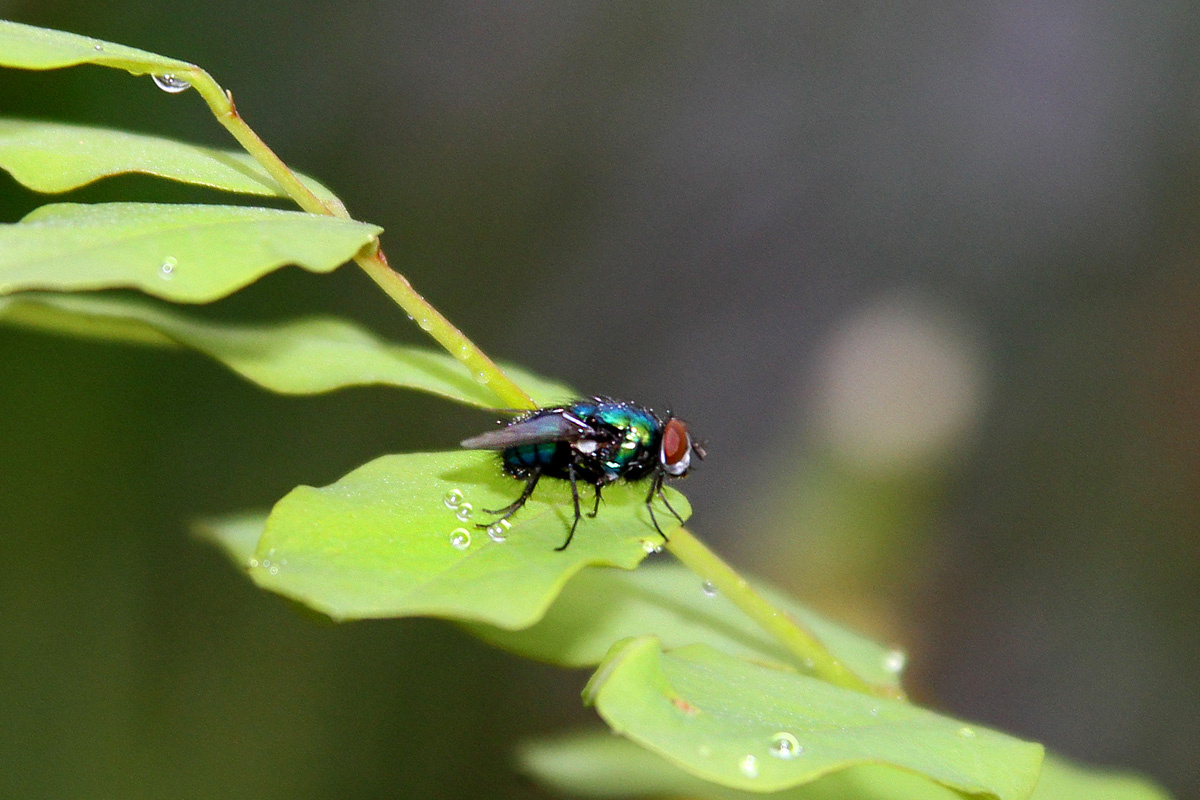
536, 430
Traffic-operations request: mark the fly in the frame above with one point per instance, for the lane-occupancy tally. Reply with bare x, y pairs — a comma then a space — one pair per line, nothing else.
596, 441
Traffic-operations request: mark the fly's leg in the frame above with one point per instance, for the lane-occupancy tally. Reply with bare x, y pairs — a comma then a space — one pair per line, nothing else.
512, 508
656, 490
575, 497
663, 497
596, 507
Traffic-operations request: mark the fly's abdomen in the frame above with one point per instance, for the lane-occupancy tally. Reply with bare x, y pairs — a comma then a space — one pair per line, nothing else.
524, 457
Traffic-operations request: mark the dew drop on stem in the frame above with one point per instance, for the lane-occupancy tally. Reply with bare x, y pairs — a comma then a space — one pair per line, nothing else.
170, 84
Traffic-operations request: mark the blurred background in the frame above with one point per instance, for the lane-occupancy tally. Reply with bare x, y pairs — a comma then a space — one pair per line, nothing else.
923, 277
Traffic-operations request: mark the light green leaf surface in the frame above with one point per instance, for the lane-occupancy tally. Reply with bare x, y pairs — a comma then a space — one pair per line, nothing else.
30, 47
236, 534
723, 719
184, 253
1065, 780
52, 157
599, 607
307, 356
391, 539
601, 765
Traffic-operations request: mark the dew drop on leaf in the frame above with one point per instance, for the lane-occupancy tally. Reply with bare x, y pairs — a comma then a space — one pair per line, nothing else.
749, 766
784, 745
464, 512
497, 533
460, 539
171, 84
966, 733
453, 498
167, 270
894, 661
708, 589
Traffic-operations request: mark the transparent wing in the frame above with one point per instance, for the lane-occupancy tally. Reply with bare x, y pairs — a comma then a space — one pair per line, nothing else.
545, 428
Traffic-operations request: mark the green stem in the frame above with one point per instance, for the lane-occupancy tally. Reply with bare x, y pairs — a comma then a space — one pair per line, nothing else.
430, 320
371, 260
800, 642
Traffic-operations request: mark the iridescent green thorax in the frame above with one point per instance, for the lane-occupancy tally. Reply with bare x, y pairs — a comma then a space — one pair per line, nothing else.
637, 433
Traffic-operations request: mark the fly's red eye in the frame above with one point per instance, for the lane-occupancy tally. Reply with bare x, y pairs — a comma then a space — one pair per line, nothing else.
675, 442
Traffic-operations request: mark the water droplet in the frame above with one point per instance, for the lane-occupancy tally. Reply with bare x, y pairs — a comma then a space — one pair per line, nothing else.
464, 350
481, 377
98, 46
784, 745
464, 512
273, 570
254, 562
966, 733
171, 84
894, 661
497, 533
708, 589
425, 323
410, 317
651, 547
167, 270
460, 539
749, 766
874, 711
266, 562
453, 498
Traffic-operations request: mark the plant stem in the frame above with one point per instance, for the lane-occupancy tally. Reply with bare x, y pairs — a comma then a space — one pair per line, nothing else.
781, 626
371, 259
430, 320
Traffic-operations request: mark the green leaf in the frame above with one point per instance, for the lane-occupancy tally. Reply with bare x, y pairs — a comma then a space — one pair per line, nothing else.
599, 607
397, 537
30, 47
184, 253
601, 765
236, 534
307, 356
1066, 780
52, 157
727, 721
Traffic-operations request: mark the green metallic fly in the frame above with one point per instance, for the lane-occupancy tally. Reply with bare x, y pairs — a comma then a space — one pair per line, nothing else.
596, 441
